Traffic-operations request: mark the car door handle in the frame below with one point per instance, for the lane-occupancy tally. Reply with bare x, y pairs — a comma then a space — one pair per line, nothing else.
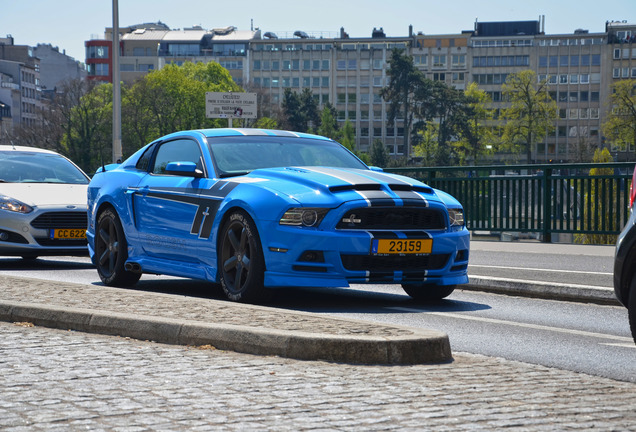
143, 191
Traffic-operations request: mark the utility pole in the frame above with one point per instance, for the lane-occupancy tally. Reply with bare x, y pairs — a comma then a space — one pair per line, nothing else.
117, 150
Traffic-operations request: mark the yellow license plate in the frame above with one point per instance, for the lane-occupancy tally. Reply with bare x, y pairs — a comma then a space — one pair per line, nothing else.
402, 246
68, 234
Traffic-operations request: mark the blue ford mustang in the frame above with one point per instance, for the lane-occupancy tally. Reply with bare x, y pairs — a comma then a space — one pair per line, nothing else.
253, 209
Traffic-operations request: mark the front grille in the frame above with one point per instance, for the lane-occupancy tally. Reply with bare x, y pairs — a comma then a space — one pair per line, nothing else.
374, 263
393, 218
52, 220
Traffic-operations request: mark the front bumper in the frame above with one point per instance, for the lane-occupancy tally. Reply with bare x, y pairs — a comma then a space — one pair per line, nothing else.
29, 235
314, 258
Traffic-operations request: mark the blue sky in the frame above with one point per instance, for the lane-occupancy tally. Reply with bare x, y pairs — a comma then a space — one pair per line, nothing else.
68, 23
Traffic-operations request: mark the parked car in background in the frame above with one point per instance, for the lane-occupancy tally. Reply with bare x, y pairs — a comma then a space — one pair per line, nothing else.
625, 262
253, 209
42, 203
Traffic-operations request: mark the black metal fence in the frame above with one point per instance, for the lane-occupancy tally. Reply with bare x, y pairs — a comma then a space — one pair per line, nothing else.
588, 199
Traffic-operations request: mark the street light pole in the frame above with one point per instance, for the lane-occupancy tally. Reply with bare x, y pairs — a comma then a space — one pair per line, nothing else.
117, 150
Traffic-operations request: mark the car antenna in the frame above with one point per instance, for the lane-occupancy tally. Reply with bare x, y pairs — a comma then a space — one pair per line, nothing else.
9, 138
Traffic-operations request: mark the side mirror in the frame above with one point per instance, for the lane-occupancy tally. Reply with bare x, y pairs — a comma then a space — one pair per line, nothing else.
185, 169
375, 168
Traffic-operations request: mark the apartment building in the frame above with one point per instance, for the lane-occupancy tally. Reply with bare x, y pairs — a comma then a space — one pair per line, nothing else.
20, 90
349, 72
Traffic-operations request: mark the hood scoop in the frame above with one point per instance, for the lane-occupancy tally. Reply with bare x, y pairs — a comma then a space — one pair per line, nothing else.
378, 186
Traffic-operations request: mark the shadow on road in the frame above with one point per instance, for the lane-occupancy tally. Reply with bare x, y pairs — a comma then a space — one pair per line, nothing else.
21, 264
326, 300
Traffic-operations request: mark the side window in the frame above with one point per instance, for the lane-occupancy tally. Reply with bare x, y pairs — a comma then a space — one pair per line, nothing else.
181, 150
144, 161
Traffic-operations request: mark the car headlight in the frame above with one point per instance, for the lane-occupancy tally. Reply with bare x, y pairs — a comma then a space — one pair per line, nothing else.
456, 217
10, 204
309, 217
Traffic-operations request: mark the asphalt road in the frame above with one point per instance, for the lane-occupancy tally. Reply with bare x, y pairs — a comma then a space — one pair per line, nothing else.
579, 337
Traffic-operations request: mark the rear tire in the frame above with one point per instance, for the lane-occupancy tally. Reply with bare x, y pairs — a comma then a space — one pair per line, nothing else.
111, 251
427, 292
241, 262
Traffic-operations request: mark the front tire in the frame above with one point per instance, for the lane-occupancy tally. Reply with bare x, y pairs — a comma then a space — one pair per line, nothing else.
111, 251
241, 262
631, 307
427, 292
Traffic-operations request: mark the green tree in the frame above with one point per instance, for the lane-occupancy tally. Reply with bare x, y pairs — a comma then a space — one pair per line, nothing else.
87, 138
620, 126
348, 135
601, 197
428, 144
476, 136
300, 111
379, 155
328, 123
400, 92
169, 100
531, 114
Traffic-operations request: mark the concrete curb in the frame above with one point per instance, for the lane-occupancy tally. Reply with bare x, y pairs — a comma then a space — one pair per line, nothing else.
547, 290
420, 346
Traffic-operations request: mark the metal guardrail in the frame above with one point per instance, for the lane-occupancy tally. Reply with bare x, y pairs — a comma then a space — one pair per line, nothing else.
588, 200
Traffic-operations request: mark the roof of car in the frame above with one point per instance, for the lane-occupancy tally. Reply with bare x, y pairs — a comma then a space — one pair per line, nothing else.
256, 132
25, 148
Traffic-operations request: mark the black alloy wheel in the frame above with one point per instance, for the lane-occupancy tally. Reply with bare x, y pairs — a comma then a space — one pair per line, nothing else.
241, 261
111, 251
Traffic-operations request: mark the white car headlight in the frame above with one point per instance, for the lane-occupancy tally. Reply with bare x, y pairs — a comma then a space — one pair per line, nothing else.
456, 217
303, 216
10, 204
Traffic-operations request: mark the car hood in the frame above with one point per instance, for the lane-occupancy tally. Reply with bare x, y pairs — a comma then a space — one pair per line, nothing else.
326, 186
46, 194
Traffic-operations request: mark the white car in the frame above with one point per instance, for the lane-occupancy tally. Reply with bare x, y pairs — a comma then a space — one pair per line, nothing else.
42, 204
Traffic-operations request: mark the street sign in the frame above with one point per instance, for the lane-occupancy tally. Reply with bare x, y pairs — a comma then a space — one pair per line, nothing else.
230, 105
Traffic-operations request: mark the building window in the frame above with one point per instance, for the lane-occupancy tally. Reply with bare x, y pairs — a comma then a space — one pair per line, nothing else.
458, 60
439, 60
98, 52
420, 59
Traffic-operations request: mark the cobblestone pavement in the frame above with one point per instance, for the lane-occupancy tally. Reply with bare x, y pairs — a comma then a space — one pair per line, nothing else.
54, 380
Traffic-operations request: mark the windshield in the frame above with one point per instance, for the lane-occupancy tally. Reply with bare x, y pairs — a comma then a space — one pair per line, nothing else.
32, 167
238, 155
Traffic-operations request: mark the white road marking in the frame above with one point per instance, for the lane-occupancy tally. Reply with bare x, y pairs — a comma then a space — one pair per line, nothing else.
517, 324
537, 269
621, 345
